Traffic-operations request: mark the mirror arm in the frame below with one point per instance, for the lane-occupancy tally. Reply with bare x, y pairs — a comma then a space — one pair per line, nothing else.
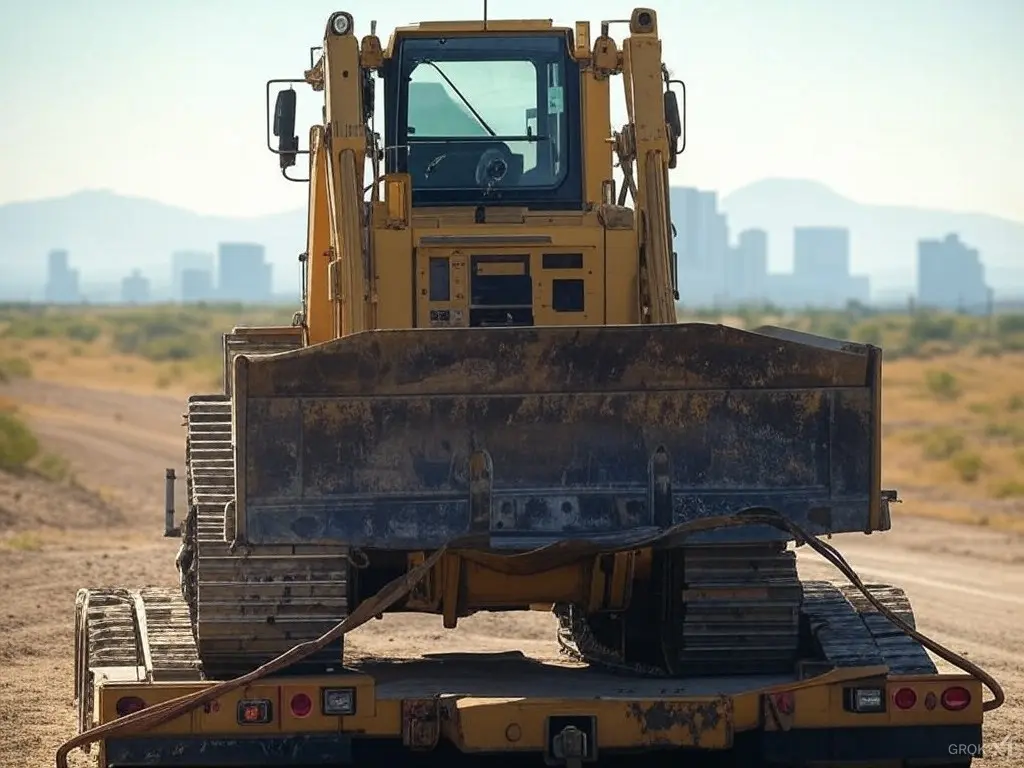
284, 172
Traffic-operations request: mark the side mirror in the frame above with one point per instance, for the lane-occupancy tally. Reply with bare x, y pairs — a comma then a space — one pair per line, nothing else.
284, 128
675, 123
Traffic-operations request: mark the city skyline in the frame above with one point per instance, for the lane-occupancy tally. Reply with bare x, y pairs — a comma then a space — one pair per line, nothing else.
869, 130
236, 272
882, 241
717, 268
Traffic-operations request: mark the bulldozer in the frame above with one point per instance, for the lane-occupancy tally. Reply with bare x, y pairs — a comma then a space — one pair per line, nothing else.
486, 403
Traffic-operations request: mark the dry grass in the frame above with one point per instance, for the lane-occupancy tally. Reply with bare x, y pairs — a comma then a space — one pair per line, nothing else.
97, 365
169, 349
955, 428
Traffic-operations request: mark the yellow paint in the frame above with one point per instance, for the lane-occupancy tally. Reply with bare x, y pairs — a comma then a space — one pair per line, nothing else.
459, 585
319, 315
484, 724
374, 273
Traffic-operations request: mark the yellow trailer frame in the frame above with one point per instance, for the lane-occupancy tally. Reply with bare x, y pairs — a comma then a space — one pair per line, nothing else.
459, 705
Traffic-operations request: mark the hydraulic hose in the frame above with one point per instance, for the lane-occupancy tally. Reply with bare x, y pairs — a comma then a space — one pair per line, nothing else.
471, 547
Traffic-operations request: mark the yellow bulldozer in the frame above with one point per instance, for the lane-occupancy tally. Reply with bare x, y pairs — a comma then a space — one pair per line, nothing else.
486, 403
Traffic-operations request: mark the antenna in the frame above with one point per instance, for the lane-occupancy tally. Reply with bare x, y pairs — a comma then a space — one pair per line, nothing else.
485, 14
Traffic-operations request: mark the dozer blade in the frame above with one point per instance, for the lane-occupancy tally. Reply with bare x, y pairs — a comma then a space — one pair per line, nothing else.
404, 439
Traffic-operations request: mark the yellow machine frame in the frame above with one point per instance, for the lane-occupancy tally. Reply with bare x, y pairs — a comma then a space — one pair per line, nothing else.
346, 294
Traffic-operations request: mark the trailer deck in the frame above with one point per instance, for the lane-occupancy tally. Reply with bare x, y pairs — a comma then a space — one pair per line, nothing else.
134, 652
515, 675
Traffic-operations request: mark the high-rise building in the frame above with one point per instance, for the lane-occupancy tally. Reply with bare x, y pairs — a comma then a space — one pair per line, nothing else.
196, 286
242, 273
61, 281
950, 275
821, 252
702, 245
821, 270
746, 268
135, 288
701, 228
182, 261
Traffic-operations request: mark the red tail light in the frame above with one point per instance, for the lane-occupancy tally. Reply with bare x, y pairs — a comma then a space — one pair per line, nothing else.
955, 699
905, 698
301, 704
785, 702
128, 704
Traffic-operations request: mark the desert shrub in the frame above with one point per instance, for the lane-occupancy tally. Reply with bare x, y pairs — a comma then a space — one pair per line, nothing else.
159, 337
15, 368
968, 466
932, 349
989, 348
868, 332
928, 326
1015, 403
30, 329
24, 541
1006, 431
941, 444
834, 328
942, 385
1008, 489
54, 468
84, 332
49, 323
1011, 342
1010, 324
18, 445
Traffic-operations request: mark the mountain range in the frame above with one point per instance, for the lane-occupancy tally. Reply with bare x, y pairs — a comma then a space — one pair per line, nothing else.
108, 235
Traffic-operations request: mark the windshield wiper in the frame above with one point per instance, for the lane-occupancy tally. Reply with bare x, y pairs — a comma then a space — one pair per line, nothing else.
458, 93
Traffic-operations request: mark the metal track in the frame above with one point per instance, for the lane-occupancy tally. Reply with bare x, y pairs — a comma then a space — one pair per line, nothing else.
901, 653
258, 340
252, 603
133, 636
741, 614
742, 609
837, 627
851, 632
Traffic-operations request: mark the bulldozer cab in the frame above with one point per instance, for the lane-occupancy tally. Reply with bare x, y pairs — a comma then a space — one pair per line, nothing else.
485, 150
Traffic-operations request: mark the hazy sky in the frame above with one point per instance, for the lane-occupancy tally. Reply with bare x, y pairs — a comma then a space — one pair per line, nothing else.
917, 102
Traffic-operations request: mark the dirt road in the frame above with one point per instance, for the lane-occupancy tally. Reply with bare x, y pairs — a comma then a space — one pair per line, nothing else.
967, 583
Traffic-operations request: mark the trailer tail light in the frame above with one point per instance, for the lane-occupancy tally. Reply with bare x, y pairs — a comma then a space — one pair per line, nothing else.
254, 712
301, 705
785, 702
338, 701
128, 704
956, 698
904, 698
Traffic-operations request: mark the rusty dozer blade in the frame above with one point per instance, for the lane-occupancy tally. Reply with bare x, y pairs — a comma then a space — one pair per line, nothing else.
404, 439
